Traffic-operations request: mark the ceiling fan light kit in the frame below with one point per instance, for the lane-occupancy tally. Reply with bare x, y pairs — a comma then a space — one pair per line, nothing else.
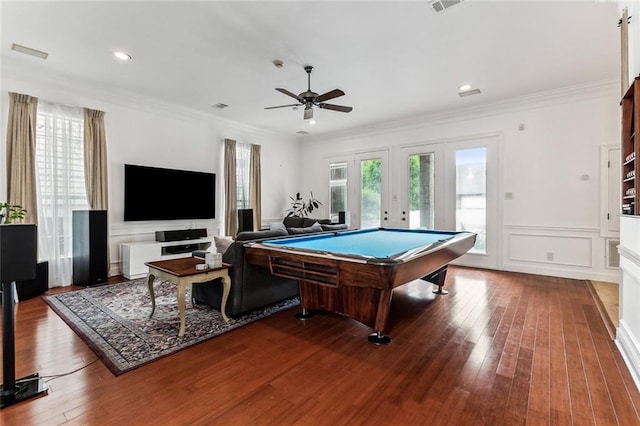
309, 98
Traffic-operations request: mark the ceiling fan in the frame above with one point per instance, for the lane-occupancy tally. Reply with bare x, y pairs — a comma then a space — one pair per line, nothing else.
309, 98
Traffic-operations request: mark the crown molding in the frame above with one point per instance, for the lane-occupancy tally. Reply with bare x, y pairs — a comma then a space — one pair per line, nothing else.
575, 93
68, 91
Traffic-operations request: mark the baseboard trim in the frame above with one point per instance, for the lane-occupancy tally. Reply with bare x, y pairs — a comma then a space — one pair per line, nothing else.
630, 351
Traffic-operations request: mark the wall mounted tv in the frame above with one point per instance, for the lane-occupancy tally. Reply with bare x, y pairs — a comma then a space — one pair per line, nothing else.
153, 193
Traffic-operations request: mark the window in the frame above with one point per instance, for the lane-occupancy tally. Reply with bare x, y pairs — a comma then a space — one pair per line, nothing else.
471, 195
243, 165
60, 184
337, 189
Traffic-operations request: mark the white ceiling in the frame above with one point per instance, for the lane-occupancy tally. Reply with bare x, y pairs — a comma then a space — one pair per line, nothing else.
394, 60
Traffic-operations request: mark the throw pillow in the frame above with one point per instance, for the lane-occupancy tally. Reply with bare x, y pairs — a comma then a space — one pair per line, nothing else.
335, 227
309, 221
293, 222
255, 235
277, 225
222, 243
316, 227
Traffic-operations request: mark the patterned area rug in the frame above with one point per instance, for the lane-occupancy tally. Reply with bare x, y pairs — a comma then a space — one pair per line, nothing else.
114, 321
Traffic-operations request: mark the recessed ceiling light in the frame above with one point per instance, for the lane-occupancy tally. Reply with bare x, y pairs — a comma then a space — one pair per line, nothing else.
123, 56
312, 121
464, 87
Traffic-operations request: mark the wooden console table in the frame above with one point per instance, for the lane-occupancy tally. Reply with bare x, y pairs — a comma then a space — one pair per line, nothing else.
183, 273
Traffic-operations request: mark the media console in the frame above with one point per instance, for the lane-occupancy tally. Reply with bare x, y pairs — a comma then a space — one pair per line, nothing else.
134, 255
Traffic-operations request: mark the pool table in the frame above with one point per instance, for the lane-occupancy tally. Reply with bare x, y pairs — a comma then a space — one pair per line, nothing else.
354, 272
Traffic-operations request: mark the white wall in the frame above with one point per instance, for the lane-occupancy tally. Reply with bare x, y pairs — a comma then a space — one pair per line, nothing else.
147, 132
552, 167
628, 332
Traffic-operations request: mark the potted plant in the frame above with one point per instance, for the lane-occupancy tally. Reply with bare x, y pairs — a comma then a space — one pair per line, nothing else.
11, 213
301, 207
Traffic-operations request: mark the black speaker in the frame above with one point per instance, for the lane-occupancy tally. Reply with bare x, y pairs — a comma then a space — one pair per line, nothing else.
37, 286
90, 247
181, 234
342, 217
18, 252
245, 220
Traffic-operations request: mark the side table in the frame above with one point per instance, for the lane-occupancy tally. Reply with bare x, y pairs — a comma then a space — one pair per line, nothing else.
183, 273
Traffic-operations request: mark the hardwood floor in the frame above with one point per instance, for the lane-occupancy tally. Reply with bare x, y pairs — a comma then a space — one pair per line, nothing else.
501, 349
607, 300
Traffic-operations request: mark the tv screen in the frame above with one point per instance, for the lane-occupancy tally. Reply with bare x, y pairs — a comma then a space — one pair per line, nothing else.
153, 193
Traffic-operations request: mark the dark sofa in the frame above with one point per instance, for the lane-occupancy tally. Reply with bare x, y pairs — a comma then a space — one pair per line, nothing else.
253, 286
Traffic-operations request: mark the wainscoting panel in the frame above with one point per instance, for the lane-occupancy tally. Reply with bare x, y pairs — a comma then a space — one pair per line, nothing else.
628, 332
551, 249
576, 252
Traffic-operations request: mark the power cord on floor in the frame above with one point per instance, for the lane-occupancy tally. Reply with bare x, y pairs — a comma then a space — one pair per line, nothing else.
55, 376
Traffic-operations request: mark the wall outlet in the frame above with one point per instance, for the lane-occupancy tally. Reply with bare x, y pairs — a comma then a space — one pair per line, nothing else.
549, 255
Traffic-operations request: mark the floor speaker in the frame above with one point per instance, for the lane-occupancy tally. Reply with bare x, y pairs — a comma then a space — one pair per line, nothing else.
18, 252
90, 247
245, 220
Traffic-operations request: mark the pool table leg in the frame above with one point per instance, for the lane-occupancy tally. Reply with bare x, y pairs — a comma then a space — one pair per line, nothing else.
304, 315
378, 338
438, 278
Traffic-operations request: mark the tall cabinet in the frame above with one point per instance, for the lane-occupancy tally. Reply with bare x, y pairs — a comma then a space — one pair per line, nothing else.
631, 149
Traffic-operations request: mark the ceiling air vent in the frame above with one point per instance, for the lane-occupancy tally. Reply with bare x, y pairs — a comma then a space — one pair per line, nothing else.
440, 5
302, 132
29, 51
219, 105
469, 93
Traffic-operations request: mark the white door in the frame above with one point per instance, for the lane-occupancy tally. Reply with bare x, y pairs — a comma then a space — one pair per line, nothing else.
453, 186
614, 193
421, 187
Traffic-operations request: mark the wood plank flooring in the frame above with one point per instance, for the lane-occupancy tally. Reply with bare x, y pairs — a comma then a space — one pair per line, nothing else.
501, 349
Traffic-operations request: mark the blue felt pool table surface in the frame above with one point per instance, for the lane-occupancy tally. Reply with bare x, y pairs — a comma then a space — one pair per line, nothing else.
375, 242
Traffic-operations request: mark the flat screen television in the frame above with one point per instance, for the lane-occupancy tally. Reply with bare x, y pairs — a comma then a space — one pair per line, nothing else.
154, 193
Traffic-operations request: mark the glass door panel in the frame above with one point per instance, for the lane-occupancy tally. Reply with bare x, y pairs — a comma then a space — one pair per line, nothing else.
370, 193
421, 187
471, 194
338, 189
422, 191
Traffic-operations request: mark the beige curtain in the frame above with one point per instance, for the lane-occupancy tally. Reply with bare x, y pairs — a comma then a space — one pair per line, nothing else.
95, 159
255, 189
231, 204
21, 147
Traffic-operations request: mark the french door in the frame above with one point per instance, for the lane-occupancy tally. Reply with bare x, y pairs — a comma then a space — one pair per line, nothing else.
372, 191
359, 186
453, 186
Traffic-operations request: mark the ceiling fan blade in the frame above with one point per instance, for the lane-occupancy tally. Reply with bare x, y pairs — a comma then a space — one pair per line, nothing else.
282, 106
288, 93
330, 95
308, 112
333, 107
